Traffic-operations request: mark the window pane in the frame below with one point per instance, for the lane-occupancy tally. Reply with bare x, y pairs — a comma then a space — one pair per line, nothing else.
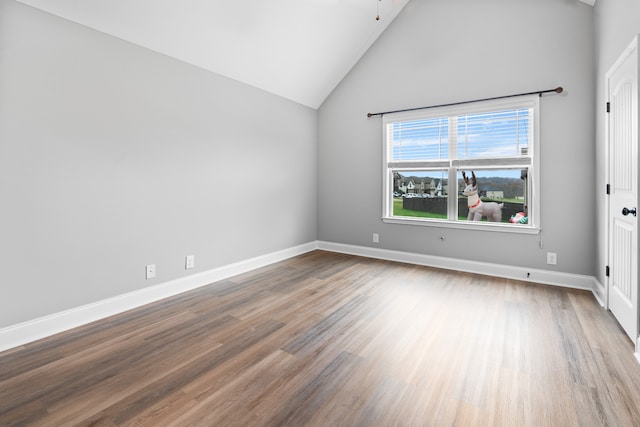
500, 195
494, 134
425, 151
425, 139
420, 194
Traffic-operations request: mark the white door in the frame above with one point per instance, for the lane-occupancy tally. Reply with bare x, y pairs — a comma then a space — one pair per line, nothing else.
622, 90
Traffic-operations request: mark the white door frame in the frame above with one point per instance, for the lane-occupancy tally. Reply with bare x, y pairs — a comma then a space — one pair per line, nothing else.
633, 45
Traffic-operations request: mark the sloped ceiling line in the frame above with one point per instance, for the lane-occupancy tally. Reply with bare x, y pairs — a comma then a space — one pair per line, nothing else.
299, 50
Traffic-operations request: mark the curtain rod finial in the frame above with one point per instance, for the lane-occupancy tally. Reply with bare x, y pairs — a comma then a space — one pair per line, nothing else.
559, 89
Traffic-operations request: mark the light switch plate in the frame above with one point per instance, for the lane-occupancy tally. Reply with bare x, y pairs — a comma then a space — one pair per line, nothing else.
151, 271
189, 261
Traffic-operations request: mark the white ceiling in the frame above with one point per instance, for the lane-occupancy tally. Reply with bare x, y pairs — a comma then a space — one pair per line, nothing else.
298, 49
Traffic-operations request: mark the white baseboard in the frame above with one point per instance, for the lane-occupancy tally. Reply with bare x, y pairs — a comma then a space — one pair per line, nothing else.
23, 333
32, 330
600, 293
575, 281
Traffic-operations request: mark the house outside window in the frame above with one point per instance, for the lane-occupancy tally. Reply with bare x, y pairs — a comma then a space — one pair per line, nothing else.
494, 144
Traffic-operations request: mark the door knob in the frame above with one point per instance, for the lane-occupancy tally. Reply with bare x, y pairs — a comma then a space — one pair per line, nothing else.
626, 211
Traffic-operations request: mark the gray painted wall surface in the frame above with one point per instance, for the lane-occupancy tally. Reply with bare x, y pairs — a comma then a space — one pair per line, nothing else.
442, 51
113, 157
617, 22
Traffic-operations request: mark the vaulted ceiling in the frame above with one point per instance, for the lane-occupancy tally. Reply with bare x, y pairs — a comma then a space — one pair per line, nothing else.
297, 49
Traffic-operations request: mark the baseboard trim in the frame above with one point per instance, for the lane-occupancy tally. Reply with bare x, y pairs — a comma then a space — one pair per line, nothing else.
24, 333
600, 293
32, 330
567, 280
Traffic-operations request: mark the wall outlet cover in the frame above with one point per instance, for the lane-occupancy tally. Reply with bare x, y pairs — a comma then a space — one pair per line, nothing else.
150, 271
189, 261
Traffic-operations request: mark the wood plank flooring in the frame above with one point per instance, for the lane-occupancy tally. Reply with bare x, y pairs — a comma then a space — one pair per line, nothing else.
327, 339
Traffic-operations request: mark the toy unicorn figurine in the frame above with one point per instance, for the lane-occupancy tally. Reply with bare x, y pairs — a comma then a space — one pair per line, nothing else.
478, 208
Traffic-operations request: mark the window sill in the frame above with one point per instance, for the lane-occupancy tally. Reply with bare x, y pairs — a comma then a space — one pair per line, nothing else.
465, 225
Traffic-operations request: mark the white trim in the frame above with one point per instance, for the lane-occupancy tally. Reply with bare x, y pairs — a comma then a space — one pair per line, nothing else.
23, 333
567, 280
600, 293
453, 164
465, 225
629, 50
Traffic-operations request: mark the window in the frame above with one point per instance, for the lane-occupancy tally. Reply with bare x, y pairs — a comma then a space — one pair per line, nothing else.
428, 154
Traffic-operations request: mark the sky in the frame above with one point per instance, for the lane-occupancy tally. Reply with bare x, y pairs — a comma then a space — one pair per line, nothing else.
503, 173
481, 135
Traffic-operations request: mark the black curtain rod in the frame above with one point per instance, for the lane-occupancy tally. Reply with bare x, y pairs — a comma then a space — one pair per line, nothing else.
538, 92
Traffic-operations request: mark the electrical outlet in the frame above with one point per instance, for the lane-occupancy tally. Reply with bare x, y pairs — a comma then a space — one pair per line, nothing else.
376, 238
552, 258
150, 271
189, 262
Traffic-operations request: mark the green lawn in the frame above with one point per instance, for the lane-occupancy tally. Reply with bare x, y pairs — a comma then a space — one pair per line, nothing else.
398, 210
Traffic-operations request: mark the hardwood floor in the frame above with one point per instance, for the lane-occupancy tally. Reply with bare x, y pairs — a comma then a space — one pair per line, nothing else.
327, 339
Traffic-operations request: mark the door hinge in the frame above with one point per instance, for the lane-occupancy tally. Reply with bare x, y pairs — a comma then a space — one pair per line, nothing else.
608, 107
608, 189
606, 271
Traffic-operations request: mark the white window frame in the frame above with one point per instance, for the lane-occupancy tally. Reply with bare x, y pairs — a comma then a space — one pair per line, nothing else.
453, 165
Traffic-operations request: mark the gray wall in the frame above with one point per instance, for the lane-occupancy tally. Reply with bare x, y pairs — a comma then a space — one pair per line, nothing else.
442, 51
113, 157
617, 22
